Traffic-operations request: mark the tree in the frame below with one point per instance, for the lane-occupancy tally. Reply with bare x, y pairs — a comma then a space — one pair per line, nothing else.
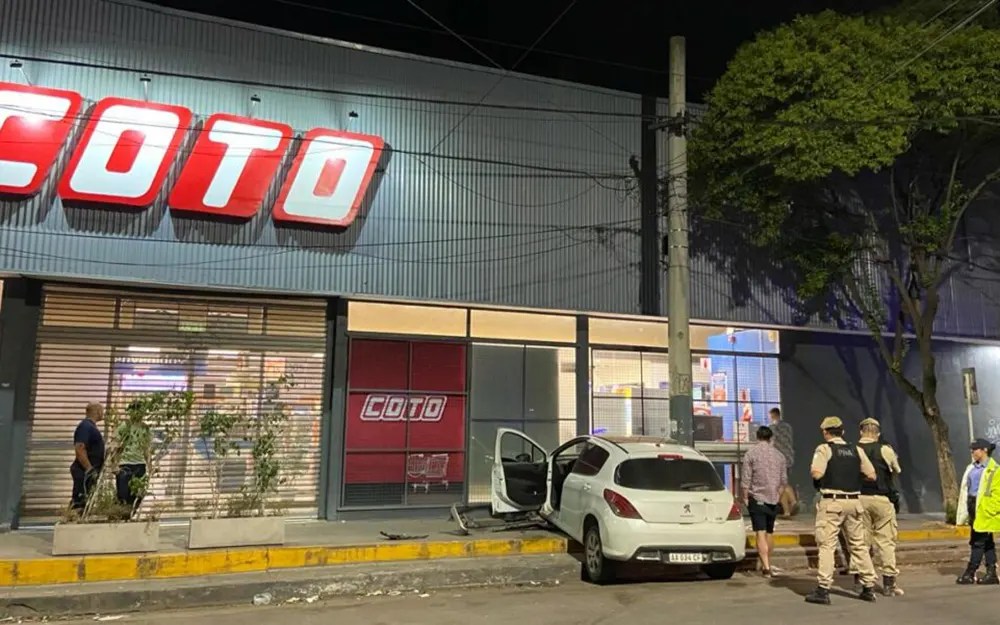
851, 148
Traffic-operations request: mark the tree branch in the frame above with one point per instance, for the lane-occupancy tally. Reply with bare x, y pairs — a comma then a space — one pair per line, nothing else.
989, 179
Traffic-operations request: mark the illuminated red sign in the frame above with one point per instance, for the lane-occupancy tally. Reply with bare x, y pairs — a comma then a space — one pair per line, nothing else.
127, 148
385, 407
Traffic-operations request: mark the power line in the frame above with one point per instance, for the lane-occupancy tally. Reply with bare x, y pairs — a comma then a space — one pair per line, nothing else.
506, 72
954, 29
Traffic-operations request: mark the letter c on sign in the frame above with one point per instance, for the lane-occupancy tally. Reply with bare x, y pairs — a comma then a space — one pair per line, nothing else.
372, 410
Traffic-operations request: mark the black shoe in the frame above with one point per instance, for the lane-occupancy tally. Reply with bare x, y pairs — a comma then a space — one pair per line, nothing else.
820, 596
867, 594
967, 578
990, 579
889, 586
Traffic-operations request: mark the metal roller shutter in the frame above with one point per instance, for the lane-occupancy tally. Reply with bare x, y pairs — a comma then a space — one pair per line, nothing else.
109, 346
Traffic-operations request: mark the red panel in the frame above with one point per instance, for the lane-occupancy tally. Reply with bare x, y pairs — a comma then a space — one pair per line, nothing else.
231, 167
375, 468
371, 434
438, 367
446, 433
32, 136
94, 172
378, 364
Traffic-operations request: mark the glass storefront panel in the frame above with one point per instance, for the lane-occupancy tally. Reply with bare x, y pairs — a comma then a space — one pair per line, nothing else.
405, 432
527, 388
147, 348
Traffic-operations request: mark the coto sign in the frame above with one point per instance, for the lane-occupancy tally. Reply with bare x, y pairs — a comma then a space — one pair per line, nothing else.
378, 407
128, 146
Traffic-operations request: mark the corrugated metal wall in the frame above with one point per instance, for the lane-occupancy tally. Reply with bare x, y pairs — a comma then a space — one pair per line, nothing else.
477, 204
441, 226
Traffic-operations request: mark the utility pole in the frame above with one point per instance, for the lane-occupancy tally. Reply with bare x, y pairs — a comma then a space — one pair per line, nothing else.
679, 270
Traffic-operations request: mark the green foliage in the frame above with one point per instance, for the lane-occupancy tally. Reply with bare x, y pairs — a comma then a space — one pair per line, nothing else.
218, 429
812, 116
148, 427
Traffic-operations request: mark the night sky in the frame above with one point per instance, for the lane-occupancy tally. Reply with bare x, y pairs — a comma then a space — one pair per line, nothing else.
597, 42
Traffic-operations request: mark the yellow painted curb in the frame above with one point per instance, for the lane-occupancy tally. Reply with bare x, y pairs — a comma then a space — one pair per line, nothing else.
44, 571
808, 539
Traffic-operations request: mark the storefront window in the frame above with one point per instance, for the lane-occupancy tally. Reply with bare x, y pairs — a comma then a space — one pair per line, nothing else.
405, 438
148, 349
526, 388
631, 393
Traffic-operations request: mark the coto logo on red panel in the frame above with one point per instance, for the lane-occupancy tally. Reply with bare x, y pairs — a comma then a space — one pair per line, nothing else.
35, 123
231, 167
329, 178
125, 152
386, 407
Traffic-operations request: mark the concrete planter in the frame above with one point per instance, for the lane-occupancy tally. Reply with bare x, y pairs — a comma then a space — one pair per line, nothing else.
238, 532
74, 539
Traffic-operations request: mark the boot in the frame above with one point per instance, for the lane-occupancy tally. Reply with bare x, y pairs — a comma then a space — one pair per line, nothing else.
967, 578
990, 579
820, 596
867, 594
889, 587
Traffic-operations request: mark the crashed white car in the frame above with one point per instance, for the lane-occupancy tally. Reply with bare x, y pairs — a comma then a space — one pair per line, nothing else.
624, 499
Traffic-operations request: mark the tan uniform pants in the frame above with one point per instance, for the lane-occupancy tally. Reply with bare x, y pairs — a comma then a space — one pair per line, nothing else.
881, 532
831, 516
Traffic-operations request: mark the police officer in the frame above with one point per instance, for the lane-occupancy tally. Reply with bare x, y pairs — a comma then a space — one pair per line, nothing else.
839, 467
880, 500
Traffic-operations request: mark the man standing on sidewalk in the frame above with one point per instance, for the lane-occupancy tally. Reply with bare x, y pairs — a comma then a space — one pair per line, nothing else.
764, 475
878, 500
840, 468
785, 443
88, 447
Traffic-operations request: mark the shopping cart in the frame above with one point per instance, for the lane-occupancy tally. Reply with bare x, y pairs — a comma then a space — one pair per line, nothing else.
425, 469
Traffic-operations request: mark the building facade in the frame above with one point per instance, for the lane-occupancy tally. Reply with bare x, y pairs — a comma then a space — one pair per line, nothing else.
189, 203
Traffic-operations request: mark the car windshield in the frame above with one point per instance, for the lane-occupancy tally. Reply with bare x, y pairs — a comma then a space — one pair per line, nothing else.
677, 474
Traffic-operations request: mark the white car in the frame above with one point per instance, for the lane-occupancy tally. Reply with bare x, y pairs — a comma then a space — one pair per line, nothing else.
624, 499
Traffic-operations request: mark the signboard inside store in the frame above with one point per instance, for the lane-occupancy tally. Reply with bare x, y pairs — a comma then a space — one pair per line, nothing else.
127, 149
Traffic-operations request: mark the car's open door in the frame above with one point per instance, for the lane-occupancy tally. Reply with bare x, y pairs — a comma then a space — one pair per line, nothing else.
520, 473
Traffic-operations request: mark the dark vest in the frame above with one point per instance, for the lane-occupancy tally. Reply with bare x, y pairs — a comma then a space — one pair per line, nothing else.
883, 475
843, 472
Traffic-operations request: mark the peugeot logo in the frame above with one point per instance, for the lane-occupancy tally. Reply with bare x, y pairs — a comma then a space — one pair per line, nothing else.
687, 508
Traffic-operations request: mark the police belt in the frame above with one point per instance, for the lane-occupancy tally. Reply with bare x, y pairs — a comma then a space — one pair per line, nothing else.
837, 496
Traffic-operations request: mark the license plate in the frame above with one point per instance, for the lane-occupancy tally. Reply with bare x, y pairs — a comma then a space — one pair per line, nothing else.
686, 558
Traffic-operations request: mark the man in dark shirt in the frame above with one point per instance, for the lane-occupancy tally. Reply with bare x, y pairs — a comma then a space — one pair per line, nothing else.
88, 446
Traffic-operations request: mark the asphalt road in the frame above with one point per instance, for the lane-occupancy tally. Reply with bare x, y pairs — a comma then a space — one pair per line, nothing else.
931, 597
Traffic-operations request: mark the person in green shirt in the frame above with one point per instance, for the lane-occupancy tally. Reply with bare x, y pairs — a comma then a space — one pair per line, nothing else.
134, 436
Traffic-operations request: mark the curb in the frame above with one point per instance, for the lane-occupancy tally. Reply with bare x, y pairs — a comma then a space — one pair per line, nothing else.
49, 571
808, 539
159, 566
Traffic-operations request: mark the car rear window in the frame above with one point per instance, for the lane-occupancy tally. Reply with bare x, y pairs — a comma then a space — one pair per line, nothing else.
677, 474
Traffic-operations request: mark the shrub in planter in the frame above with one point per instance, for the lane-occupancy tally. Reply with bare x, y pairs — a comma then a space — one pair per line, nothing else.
245, 520
114, 519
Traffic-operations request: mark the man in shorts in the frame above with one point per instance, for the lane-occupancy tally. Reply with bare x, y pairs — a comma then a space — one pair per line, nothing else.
765, 474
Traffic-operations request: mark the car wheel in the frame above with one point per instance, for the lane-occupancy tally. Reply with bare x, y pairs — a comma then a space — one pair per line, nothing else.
720, 571
596, 568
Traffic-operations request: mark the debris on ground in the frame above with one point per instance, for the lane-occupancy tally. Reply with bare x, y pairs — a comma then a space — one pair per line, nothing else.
263, 599
312, 599
114, 617
462, 517
392, 536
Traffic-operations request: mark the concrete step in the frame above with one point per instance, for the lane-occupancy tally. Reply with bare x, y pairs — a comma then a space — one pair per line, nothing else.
907, 554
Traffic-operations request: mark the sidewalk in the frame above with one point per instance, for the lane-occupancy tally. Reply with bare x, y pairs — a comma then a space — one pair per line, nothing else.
25, 559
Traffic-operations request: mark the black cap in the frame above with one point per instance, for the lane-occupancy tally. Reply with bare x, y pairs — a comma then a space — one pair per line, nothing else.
982, 443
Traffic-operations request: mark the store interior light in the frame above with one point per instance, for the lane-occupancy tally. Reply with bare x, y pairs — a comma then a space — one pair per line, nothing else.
225, 353
143, 349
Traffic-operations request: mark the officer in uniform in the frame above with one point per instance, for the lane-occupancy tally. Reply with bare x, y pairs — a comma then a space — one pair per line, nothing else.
880, 500
840, 469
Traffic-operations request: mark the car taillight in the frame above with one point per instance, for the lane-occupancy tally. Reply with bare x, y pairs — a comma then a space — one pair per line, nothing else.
736, 512
620, 506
